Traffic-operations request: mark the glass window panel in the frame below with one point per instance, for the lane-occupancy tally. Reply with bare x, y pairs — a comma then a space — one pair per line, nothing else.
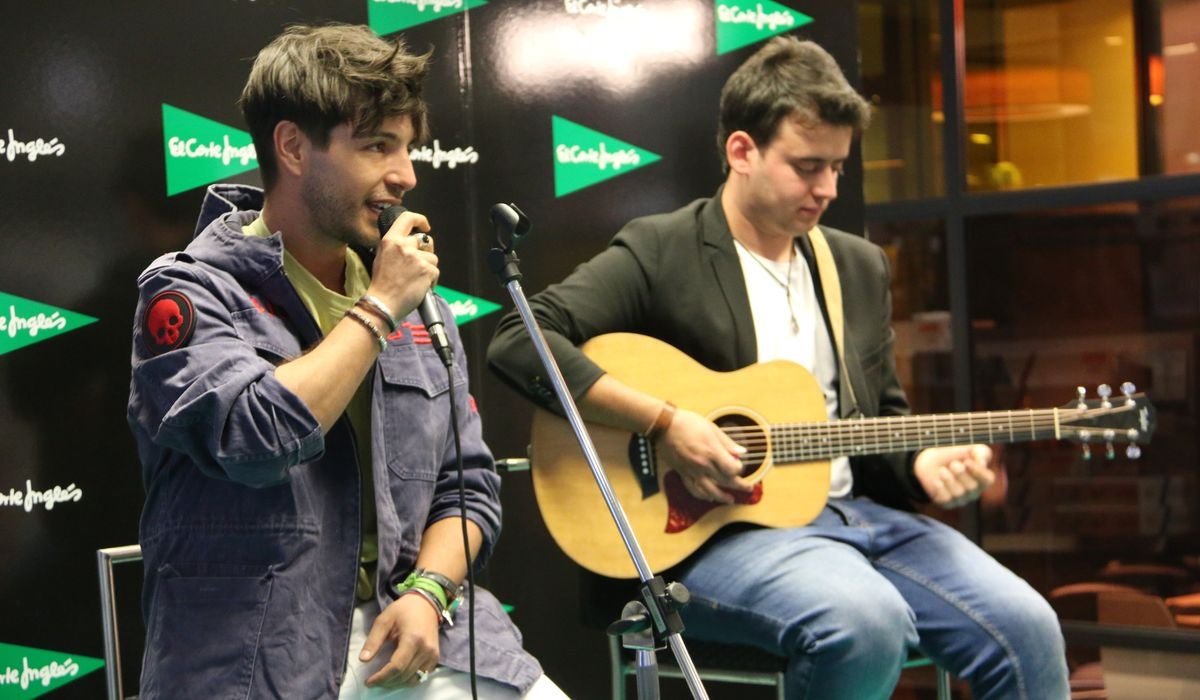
900, 49
1081, 297
1050, 94
916, 251
1173, 97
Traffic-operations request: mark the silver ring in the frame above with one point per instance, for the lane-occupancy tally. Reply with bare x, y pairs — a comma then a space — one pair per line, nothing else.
422, 676
425, 242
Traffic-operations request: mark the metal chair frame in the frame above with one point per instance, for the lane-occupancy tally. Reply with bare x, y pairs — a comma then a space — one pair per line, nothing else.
621, 666
105, 559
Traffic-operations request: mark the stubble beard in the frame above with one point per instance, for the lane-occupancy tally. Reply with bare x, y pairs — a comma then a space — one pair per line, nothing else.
336, 216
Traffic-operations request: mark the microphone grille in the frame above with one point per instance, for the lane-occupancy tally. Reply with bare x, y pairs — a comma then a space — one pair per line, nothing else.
388, 216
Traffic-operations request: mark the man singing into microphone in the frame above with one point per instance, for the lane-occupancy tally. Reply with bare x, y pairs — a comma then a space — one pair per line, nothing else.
302, 533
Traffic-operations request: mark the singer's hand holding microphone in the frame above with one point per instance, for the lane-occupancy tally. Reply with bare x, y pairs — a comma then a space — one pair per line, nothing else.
405, 271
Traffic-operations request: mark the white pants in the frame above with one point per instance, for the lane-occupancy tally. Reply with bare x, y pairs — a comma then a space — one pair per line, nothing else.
443, 683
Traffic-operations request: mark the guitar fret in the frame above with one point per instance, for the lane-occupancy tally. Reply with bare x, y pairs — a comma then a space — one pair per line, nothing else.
821, 440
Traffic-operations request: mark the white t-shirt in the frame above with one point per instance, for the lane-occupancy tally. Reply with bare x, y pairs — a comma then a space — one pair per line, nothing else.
780, 294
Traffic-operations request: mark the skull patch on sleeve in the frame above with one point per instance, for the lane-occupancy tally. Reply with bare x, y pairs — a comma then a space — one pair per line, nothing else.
168, 322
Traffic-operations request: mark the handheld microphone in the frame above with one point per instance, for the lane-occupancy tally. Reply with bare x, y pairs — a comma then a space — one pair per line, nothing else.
431, 315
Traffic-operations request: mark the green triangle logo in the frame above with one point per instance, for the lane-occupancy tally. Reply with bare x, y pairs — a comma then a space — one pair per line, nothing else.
25, 322
27, 673
584, 157
740, 22
200, 151
387, 16
466, 308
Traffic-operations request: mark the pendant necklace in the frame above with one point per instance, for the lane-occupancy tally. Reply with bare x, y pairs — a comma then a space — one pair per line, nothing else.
786, 284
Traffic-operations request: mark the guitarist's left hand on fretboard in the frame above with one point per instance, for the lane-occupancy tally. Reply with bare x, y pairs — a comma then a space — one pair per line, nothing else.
954, 476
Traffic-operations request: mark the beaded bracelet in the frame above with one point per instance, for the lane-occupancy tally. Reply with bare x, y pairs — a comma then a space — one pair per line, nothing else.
369, 325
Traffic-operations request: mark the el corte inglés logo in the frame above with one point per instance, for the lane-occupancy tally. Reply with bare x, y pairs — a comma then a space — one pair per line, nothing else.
466, 308
436, 156
387, 16
25, 322
742, 22
27, 673
200, 151
584, 157
15, 147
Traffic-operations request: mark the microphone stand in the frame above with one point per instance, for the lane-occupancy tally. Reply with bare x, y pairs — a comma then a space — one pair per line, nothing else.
652, 622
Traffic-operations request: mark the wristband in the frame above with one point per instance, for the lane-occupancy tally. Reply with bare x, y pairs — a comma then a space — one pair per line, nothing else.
433, 589
443, 613
662, 422
451, 589
436, 584
369, 325
370, 301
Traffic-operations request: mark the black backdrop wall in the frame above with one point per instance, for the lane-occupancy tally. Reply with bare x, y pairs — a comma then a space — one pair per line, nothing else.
114, 116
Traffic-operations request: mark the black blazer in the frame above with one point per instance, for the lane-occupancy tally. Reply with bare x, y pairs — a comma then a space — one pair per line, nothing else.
677, 277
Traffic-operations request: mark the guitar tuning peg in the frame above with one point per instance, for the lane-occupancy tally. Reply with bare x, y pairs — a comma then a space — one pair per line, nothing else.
1127, 388
1133, 450
1081, 398
1104, 391
1109, 452
1087, 452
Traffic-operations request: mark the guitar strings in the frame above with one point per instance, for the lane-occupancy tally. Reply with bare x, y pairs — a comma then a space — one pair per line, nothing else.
830, 438
760, 446
940, 422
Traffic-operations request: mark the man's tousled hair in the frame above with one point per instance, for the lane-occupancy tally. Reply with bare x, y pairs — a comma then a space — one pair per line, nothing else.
323, 76
787, 78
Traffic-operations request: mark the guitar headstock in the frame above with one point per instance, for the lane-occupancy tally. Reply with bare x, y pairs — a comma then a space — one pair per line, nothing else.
1128, 418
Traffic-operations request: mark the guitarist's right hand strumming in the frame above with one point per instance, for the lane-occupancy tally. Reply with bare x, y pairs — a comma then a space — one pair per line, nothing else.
708, 460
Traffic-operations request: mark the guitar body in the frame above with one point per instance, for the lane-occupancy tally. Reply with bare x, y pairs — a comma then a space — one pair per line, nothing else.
777, 411
573, 507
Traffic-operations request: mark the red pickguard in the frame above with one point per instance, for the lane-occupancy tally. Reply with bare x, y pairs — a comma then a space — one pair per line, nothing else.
684, 509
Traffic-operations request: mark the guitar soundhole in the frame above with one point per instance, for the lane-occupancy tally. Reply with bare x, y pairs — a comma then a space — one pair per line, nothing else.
748, 434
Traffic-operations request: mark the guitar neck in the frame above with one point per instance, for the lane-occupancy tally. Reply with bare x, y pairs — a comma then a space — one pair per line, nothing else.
810, 442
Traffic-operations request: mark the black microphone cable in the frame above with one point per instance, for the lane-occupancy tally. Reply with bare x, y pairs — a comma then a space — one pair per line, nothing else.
462, 510
431, 315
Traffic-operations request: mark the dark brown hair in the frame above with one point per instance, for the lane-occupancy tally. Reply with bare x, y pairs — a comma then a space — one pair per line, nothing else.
323, 76
787, 77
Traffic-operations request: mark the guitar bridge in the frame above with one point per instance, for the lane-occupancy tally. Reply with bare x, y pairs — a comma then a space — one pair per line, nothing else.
644, 464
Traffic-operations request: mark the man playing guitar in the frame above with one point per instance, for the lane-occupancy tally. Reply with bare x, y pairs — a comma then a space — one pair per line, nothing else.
733, 280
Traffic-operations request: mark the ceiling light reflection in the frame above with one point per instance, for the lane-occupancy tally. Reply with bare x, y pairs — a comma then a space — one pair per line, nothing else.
619, 50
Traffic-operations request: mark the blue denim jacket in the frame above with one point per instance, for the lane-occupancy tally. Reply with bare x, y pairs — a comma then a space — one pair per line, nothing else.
251, 528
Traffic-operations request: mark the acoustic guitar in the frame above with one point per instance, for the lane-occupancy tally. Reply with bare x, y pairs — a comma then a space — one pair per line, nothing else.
777, 412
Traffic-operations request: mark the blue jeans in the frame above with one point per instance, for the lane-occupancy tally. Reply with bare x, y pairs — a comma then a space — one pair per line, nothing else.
845, 599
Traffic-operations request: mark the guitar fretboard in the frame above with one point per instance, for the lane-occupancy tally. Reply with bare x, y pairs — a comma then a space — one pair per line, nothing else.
808, 442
